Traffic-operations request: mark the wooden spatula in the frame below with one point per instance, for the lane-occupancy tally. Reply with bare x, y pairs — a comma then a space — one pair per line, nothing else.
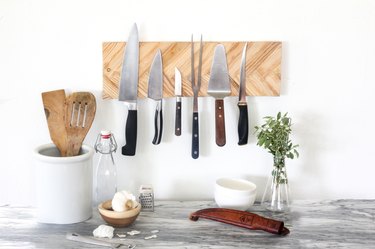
80, 111
54, 108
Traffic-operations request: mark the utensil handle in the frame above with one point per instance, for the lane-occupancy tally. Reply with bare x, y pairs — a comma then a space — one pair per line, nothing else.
130, 134
220, 122
177, 130
243, 124
195, 137
158, 120
84, 239
242, 219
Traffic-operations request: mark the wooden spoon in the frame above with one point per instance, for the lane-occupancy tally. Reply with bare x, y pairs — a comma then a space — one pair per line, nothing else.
80, 111
54, 108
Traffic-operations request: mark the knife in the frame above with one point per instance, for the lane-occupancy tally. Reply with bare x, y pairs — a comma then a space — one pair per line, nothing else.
155, 92
178, 93
219, 87
243, 121
129, 90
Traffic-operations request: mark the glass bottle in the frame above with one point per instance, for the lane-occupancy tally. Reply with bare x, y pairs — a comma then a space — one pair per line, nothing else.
106, 172
276, 195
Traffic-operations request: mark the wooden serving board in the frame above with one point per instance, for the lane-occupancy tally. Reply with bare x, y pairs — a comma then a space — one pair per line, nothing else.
263, 66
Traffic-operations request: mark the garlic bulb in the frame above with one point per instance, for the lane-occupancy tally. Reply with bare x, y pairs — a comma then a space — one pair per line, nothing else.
123, 201
103, 231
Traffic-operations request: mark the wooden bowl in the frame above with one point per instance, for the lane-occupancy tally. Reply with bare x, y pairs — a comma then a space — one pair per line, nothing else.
118, 219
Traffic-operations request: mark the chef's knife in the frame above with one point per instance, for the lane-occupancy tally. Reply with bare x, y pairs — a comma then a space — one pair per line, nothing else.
129, 90
155, 92
243, 121
178, 93
219, 87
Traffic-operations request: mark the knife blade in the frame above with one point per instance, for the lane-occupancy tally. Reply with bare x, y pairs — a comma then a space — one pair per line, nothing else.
219, 87
243, 121
155, 92
129, 90
178, 93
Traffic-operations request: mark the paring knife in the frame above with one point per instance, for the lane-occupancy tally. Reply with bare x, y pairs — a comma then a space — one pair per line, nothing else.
155, 92
195, 87
243, 121
178, 93
129, 90
219, 87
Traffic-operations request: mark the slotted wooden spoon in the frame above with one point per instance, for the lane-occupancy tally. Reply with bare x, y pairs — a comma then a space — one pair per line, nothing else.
54, 108
80, 111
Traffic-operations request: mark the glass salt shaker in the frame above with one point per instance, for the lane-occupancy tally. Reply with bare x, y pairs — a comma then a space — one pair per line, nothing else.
106, 171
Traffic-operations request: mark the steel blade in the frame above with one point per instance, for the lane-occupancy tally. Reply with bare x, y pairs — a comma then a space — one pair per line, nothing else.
155, 80
177, 82
129, 74
242, 92
219, 85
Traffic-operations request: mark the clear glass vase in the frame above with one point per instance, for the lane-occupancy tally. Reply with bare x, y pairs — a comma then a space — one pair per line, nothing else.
276, 196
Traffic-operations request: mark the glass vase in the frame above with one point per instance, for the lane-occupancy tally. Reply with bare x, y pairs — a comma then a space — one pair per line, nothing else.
276, 196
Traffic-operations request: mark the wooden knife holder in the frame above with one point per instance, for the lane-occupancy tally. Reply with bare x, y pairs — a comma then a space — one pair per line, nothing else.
263, 66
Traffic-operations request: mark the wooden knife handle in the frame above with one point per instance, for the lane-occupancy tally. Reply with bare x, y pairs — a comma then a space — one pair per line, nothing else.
220, 122
242, 219
243, 124
195, 137
130, 134
177, 130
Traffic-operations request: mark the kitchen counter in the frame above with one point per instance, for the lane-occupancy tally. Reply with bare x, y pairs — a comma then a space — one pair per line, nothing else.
312, 224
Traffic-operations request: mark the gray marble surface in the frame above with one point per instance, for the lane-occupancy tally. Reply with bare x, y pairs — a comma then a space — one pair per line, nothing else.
312, 224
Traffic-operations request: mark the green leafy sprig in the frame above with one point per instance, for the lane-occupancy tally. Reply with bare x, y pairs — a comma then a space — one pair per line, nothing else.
273, 135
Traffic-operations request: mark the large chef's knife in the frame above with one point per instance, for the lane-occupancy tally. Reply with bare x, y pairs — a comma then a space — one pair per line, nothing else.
155, 92
219, 87
129, 90
178, 93
243, 121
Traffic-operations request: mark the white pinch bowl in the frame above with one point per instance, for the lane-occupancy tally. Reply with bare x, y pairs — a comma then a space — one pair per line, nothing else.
234, 193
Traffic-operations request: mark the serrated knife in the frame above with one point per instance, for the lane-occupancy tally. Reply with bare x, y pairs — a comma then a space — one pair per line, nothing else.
243, 121
155, 92
129, 90
219, 87
178, 93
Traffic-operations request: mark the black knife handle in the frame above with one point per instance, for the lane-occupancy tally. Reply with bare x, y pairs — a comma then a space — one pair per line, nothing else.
177, 129
130, 134
220, 122
195, 137
158, 121
243, 124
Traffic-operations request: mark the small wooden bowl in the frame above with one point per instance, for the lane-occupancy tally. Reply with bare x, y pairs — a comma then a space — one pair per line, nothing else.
118, 219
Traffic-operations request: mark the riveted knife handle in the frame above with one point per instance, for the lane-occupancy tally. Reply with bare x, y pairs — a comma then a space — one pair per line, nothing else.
130, 134
220, 122
195, 137
242, 219
243, 124
158, 120
177, 130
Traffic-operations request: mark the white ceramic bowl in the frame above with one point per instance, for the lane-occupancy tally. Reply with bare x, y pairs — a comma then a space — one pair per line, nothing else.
233, 193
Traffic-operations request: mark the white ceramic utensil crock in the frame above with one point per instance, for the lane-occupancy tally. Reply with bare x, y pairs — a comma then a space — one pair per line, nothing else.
63, 185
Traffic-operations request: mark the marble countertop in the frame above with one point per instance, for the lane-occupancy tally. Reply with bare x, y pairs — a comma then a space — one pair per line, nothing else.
312, 224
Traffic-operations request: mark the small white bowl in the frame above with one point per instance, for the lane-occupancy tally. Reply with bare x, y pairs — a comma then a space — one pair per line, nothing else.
236, 194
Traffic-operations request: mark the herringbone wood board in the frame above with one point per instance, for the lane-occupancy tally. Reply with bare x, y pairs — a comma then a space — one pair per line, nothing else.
263, 66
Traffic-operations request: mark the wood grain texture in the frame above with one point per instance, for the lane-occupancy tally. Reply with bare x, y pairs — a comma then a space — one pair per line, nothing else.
80, 111
54, 108
263, 66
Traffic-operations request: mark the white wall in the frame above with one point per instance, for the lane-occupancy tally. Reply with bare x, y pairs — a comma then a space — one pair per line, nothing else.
327, 87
